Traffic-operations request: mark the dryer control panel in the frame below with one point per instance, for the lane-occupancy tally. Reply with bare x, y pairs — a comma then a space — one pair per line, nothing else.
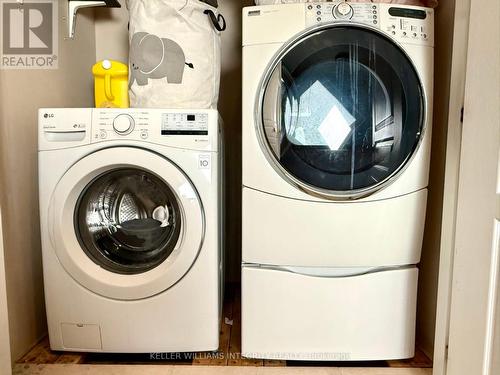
406, 24
336, 11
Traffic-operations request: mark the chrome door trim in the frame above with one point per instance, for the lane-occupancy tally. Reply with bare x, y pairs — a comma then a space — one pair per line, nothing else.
258, 123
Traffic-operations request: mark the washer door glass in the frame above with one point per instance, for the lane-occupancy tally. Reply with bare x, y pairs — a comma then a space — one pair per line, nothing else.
341, 111
128, 220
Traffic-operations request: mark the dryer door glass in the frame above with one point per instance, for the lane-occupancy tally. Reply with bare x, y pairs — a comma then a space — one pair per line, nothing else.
128, 220
341, 111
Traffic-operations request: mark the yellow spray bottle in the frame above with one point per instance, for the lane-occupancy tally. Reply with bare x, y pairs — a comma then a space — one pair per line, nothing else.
111, 84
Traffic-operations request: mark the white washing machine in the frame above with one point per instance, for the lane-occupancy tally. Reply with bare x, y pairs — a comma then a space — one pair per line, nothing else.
130, 206
337, 109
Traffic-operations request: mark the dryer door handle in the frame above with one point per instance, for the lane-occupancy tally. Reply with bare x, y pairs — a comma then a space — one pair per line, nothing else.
271, 112
278, 115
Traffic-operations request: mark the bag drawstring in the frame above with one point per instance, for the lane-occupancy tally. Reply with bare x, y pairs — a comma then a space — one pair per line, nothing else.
219, 22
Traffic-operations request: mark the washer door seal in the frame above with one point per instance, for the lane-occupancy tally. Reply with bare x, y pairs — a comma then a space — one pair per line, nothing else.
128, 220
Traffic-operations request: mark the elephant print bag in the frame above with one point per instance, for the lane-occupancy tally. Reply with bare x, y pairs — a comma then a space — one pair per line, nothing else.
174, 58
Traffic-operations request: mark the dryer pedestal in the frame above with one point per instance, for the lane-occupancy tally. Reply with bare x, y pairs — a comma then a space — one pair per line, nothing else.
299, 317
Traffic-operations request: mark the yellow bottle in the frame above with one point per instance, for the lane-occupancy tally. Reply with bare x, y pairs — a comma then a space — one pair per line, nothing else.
111, 84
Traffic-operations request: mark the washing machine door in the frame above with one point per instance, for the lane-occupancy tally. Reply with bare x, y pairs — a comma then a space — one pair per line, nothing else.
126, 223
340, 111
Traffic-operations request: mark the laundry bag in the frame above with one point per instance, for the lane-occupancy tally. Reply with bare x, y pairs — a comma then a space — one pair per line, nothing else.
423, 3
175, 53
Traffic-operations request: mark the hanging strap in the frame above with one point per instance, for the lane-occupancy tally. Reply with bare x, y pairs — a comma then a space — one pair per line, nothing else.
212, 3
219, 22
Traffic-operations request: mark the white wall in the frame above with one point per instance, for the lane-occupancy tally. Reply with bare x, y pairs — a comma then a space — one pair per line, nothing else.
22, 92
111, 33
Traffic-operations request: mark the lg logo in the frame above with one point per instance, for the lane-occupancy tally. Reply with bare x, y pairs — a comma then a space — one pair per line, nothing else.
48, 115
29, 34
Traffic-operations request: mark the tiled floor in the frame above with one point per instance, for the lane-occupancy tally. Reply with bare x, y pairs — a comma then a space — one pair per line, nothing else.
41, 360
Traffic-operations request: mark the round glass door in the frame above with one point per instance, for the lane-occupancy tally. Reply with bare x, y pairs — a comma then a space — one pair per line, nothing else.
341, 111
128, 220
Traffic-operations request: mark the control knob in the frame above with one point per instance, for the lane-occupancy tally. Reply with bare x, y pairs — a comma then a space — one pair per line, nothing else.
123, 124
343, 10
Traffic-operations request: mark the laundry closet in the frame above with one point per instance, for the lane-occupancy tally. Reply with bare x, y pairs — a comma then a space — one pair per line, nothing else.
103, 34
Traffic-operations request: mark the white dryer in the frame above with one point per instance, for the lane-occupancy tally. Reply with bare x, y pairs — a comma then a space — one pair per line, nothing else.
130, 207
337, 110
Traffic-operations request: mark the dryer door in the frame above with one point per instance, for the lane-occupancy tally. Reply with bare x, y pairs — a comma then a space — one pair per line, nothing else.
126, 223
340, 111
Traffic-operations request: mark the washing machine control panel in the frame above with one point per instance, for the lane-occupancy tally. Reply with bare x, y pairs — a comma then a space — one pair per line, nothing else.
189, 128
406, 24
193, 129
115, 124
141, 124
